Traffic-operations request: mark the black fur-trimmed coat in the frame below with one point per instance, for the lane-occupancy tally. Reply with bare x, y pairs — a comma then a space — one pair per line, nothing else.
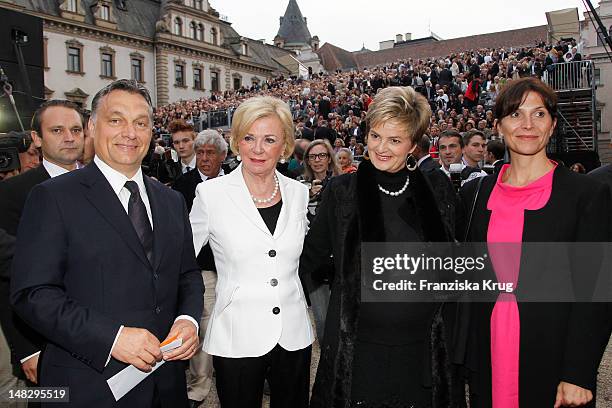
349, 214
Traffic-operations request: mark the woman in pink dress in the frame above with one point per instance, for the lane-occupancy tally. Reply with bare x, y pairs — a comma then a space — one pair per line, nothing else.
535, 354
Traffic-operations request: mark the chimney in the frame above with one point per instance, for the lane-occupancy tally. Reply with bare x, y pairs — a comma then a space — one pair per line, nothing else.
408, 36
399, 38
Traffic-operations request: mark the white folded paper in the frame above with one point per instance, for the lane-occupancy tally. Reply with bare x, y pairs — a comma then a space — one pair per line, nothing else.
126, 379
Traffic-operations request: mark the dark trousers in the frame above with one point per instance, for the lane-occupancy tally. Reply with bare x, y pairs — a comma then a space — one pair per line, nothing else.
240, 380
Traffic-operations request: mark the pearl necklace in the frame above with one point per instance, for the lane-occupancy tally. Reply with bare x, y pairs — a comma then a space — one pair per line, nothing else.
395, 193
267, 200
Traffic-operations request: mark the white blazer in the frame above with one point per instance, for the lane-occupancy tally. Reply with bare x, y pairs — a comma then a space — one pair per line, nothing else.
257, 271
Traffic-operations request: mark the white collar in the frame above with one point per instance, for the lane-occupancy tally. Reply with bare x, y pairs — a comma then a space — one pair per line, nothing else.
191, 164
116, 179
204, 177
53, 169
422, 159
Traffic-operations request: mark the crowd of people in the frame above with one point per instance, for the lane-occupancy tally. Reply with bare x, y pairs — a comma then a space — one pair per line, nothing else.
267, 219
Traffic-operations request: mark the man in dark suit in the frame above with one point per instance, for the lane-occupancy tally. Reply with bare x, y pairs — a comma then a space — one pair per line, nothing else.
324, 132
211, 150
421, 154
58, 128
114, 272
494, 155
324, 107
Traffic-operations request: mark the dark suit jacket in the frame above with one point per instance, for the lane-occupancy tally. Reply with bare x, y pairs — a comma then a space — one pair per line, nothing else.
186, 185
603, 174
323, 132
22, 339
428, 164
91, 275
559, 341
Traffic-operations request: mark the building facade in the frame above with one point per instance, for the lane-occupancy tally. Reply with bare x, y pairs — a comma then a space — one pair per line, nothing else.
593, 49
178, 49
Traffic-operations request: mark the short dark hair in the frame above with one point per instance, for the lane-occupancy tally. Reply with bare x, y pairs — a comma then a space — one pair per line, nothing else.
497, 149
467, 136
451, 133
179, 125
127, 85
513, 94
36, 124
424, 144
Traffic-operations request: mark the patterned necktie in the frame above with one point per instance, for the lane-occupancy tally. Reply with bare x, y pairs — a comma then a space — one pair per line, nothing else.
140, 220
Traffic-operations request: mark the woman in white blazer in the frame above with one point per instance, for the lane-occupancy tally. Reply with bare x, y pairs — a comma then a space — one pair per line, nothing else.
255, 221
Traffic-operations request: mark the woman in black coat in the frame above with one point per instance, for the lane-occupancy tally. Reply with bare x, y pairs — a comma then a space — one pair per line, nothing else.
383, 354
532, 350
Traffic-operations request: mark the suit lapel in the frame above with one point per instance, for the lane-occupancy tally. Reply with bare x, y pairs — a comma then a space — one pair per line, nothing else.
239, 194
286, 194
158, 208
100, 194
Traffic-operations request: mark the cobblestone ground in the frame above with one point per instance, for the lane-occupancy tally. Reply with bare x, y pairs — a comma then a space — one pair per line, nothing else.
604, 387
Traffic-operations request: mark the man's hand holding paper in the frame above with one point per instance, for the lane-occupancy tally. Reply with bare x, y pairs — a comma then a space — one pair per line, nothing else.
183, 329
137, 347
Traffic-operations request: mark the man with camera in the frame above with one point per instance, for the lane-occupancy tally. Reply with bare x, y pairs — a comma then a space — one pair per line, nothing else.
451, 145
18, 154
58, 127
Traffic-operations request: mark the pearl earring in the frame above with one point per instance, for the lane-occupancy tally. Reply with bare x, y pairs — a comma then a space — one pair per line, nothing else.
238, 157
282, 160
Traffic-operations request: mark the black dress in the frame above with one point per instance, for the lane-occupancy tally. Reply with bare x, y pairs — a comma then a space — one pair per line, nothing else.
392, 338
364, 358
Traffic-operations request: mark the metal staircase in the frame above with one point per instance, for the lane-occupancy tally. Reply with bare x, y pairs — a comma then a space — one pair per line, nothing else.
576, 124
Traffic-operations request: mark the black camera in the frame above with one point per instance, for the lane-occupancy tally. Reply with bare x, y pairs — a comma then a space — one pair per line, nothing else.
11, 144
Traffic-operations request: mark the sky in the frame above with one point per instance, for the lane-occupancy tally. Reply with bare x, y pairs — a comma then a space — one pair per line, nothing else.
350, 24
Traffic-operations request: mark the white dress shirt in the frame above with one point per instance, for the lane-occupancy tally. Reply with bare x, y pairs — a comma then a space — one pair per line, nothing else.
117, 182
204, 177
191, 165
53, 169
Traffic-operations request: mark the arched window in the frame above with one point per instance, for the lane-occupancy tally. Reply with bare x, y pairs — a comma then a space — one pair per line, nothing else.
213, 35
178, 26
200, 33
193, 33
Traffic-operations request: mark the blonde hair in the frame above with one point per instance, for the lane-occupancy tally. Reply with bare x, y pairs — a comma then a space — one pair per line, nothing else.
333, 165
402, 105
259, 107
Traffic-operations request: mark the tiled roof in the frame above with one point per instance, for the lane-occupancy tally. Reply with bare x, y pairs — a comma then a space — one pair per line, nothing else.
334, 57
139, 18
293, 28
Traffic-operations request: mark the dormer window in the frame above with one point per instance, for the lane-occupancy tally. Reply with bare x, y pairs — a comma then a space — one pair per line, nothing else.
178, 26
105, 12
245, 48
71, 5
198, 4
200, 32
193, 33
213, 34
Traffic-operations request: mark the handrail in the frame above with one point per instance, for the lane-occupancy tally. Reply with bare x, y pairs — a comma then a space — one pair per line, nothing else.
573, 75
573, 130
